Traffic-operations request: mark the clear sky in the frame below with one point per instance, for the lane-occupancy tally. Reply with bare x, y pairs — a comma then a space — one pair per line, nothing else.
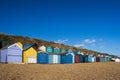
91, 24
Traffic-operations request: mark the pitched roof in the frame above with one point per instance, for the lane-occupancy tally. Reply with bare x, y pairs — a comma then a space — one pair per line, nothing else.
10, 46
35, 46
20, 44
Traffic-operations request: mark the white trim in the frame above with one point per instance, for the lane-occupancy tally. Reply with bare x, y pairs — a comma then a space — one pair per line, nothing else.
72, 55
15, 44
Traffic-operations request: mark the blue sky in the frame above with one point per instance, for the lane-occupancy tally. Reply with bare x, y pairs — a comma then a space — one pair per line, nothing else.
91, 24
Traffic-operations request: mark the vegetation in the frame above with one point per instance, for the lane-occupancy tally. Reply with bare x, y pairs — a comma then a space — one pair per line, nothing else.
10, 39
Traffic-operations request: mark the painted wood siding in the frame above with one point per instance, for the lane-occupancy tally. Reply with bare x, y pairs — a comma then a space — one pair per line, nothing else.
31, 52
63, 59
49, 49
42, 58
12, 54
97, 59
81, 58
93, 59
68, 58
78, 52
3, 55
107, 59
54, 59
77, 58
31, 59
50, 59
57, 50
82, 53
89, 58
101, 59
20, 44
59, 59
86, 58
69, 51
42, 48
63, 50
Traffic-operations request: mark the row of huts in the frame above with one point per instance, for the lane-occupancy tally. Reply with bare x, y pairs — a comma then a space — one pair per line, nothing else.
18, 53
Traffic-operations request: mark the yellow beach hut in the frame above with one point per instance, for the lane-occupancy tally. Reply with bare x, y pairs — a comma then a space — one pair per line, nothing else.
30, 54
20, 44
82, 53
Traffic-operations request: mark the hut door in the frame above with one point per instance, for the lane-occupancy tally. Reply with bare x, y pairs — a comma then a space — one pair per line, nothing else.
55, 59
93, 59
31, 59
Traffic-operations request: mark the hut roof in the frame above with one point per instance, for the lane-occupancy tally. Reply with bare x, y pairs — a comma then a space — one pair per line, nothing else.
10, 46
35, 46
57, 54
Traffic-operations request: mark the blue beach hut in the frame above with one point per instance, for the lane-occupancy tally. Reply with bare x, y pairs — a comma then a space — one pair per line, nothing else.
57, 50
54, 59
49, 49
68, 58
42, 58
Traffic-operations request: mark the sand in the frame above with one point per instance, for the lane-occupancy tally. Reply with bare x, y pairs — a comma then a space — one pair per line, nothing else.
80, 71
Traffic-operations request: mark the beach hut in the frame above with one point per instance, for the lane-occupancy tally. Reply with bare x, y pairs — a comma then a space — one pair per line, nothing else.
81, 58
11, 54
20, 44
68, 58
42, 48
101, 59
107, 59
54, 59
26, 46
93, 58
69, 51
56, 50
63, 50
97, 59
77, 52
77, 58
42, 58
30, 54
49, 49
90, 58
82, 53
86, 57
63, 59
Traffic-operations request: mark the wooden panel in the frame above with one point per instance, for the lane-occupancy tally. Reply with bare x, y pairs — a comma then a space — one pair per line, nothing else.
31, 59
